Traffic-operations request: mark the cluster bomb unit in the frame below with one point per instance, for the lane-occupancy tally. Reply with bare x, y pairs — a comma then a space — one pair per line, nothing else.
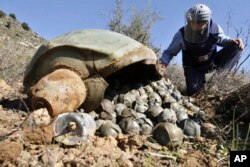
104, 83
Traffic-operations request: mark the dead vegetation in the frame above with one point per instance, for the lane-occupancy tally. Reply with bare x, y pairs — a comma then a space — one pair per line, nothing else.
17, 47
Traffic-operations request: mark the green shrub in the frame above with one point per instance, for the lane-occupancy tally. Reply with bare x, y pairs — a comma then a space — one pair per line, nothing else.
138, 26
25, 26
12, 16
2, 14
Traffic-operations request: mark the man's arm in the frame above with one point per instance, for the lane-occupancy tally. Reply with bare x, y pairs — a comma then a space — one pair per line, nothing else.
173, 49
224, 40
168, 54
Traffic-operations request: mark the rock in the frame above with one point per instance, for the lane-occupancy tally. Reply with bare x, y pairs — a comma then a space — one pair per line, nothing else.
40, 117
4, 89
50, 157
10, 150
124, 161
208, 130
38, 134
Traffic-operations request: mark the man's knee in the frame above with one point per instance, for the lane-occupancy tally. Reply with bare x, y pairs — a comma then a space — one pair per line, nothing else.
195, 80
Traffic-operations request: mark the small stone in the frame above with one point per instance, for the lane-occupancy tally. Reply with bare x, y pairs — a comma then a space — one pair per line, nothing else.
10, 150
40, 117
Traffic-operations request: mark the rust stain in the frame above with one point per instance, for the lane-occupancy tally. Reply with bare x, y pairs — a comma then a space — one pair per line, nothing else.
60, 91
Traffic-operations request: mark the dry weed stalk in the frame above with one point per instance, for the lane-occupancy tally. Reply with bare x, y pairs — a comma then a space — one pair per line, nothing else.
222, 83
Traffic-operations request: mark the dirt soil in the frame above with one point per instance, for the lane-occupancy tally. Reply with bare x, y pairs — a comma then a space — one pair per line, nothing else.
24, 144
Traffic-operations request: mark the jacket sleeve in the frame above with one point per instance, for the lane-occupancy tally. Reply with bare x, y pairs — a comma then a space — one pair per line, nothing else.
223, 40
173, 49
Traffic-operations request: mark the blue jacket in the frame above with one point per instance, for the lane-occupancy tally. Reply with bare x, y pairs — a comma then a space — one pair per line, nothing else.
192, 51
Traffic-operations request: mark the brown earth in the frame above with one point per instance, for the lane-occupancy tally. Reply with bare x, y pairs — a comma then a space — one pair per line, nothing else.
24, 144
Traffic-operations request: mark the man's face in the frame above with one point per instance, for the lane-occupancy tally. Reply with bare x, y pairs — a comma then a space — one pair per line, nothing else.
196, 31
198, 25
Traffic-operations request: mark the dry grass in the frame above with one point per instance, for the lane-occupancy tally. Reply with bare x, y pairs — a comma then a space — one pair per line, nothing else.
176, 75
226, 82
14, 60
17, 46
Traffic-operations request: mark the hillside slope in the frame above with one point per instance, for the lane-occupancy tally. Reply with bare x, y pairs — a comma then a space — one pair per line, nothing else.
17, 45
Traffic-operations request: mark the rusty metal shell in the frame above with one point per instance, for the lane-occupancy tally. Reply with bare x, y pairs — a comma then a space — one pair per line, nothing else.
93, 55
95, 89
111, 51
56, 93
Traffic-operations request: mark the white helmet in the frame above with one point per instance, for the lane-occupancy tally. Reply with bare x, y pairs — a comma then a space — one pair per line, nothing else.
199, 12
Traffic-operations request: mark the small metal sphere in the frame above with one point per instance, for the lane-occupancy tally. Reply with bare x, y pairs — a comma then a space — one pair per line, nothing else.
109, 128
168, 100
146, 126
175, 106
181, 115
99, 123
149, 89
129, 99
168, 115
168, 134
129, 125
190, 128
153, 84
135, 92
153, 112
108, 116
176, 94
119, 107
106, 105
161, 82
128, 112
141, 105
154, 99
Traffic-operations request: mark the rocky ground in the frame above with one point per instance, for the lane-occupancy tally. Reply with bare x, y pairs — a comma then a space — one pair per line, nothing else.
24, 144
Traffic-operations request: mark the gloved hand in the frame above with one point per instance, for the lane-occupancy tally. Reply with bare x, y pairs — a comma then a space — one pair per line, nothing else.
239, 42
161, 68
